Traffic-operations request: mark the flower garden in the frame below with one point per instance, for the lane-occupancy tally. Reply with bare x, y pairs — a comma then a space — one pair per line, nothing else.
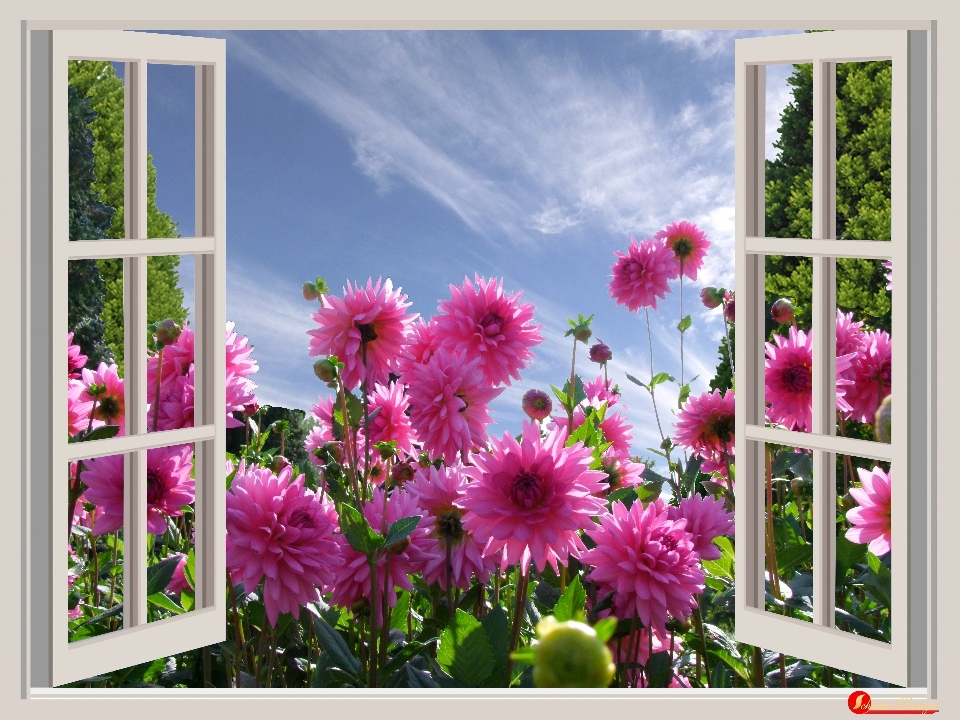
415, 549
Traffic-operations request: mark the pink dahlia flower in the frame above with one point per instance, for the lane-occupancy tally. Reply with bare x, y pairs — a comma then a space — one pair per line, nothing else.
448, 404
238, 352
419, 346
457, 556
871, 520
871, 378
706, 424
531, 498
282, 534
169, 487
79, 405
640, 643
75, 359
110, 402
621, 471
536, 404
648, 561
178, 583
391, 422
850, 337
373, 316
641, 276
352, 581
789, 380
689, 245
707, 518
615, 427
480, 321
598, 391
178, 358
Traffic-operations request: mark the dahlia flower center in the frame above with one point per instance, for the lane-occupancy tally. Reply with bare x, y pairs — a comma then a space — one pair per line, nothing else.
491, 324
449, 526
367, 332
541, 403
682, 247
527, 490
722, 426
154, 487
798, 378
301, 519
668, 542
108, 408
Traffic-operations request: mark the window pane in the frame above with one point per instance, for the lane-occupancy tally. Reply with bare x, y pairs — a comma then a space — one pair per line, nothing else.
788, 512
864, 568
170, 147
95, 565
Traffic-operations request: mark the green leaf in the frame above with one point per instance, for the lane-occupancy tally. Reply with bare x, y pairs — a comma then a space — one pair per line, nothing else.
789, 557
362, 538
684, 395
335, 646
562, 397
660, 378
659, 670
188, 600
546, 596
354, 409
684, 324
103, 432
398, 617
649, 491
721, 568
189, 569
626, 495
464, 650
632, 379
579, 394
649, 474
497, 627
605, 628
163, 600
159, 574
571, 603
857, 625
400, 530
848, 555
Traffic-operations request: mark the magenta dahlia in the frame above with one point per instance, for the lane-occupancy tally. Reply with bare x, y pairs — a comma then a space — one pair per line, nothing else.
648, 561
479, 321
706, 424
871, 520
598, 391
615, 427
371, 317
531, 498
689, 245
282, 534
536, 404
169, 487
419, 346
621, 471
448, 404
707, 518
322, 432
79, 405
457, 556
178, 582
390, 404
108, 397
75, 359
641, 276
871, 376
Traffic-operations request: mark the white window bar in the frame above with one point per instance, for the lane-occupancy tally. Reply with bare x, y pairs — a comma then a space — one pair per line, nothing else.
54, 660
903, 661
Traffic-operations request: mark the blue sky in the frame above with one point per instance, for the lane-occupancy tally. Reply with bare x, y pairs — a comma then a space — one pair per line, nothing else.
429, 156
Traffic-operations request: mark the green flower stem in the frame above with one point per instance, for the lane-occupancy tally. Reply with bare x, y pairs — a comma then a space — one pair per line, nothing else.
374, 591
348, 446
518, 612
673, 485
698, 620
726, 333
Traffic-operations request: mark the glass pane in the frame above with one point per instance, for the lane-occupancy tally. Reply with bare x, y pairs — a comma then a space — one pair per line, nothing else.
788, 512
864, 348
170, 531
789, 151
169, 295
170, 147
95, 565
863, 547
788, 373
863, 150
95, 119
95, 394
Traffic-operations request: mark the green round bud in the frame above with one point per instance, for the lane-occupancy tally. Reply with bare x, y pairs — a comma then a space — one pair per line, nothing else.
167, 332
570, 654
325, 370
310, 291
881, 425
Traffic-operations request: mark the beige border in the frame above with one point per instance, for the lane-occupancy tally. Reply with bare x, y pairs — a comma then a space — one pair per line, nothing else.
542, 14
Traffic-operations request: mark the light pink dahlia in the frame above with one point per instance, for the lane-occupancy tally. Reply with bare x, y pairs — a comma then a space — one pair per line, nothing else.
238, 352
322, 432
871, 520
448, 404
707, 518
850, 337
598, 391
706, 424
621, 471
373, 316
178, 358
352, 581
79, 405
390, 404
419, 346
480, 321
169, 487
641, 276
689, 245
871, 379
648, 561
75, 358
282, 534
531, 498
110, 401
456, 554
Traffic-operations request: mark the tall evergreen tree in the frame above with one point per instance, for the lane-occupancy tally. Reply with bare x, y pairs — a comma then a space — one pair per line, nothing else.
97, 82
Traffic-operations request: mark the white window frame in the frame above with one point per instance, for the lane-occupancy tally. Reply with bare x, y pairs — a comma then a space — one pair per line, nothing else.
55, 660
22, 700
903, 660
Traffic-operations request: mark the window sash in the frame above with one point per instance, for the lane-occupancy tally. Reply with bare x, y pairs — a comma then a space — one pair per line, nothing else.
903, 661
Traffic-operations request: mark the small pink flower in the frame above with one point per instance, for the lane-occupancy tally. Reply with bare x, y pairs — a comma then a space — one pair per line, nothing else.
621, 471
480, 321
79, 405
536, 404
689, 245
600, 353
390, 403
532, 498
707, 518
110, 401
871, 520
75, 359
178, 583
641, 276
871, 376
373, 316
782, 311
598, 391
448, 404
419, 346
706, 424
322, 433
711, 297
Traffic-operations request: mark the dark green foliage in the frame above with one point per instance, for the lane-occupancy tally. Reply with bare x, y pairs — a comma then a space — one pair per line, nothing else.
723, 378
299, 426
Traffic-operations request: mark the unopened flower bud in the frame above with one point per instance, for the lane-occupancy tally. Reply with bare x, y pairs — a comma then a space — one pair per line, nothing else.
600, 353
782, 311
334, 450
537, 404
711, 297
881, 425
847, 502
251, 408
570, 654
728, 312
167, 332
402, 473
310, 291
325, 370
278, 464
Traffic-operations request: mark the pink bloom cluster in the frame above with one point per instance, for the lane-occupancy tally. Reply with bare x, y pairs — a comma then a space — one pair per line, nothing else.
871, 519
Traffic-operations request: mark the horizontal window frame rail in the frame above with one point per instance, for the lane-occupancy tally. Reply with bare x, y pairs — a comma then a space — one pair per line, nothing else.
133, 247
132, 443
862, 249
836, 444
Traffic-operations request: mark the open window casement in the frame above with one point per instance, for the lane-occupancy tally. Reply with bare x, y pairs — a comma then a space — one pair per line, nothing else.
54, 660
903, 660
